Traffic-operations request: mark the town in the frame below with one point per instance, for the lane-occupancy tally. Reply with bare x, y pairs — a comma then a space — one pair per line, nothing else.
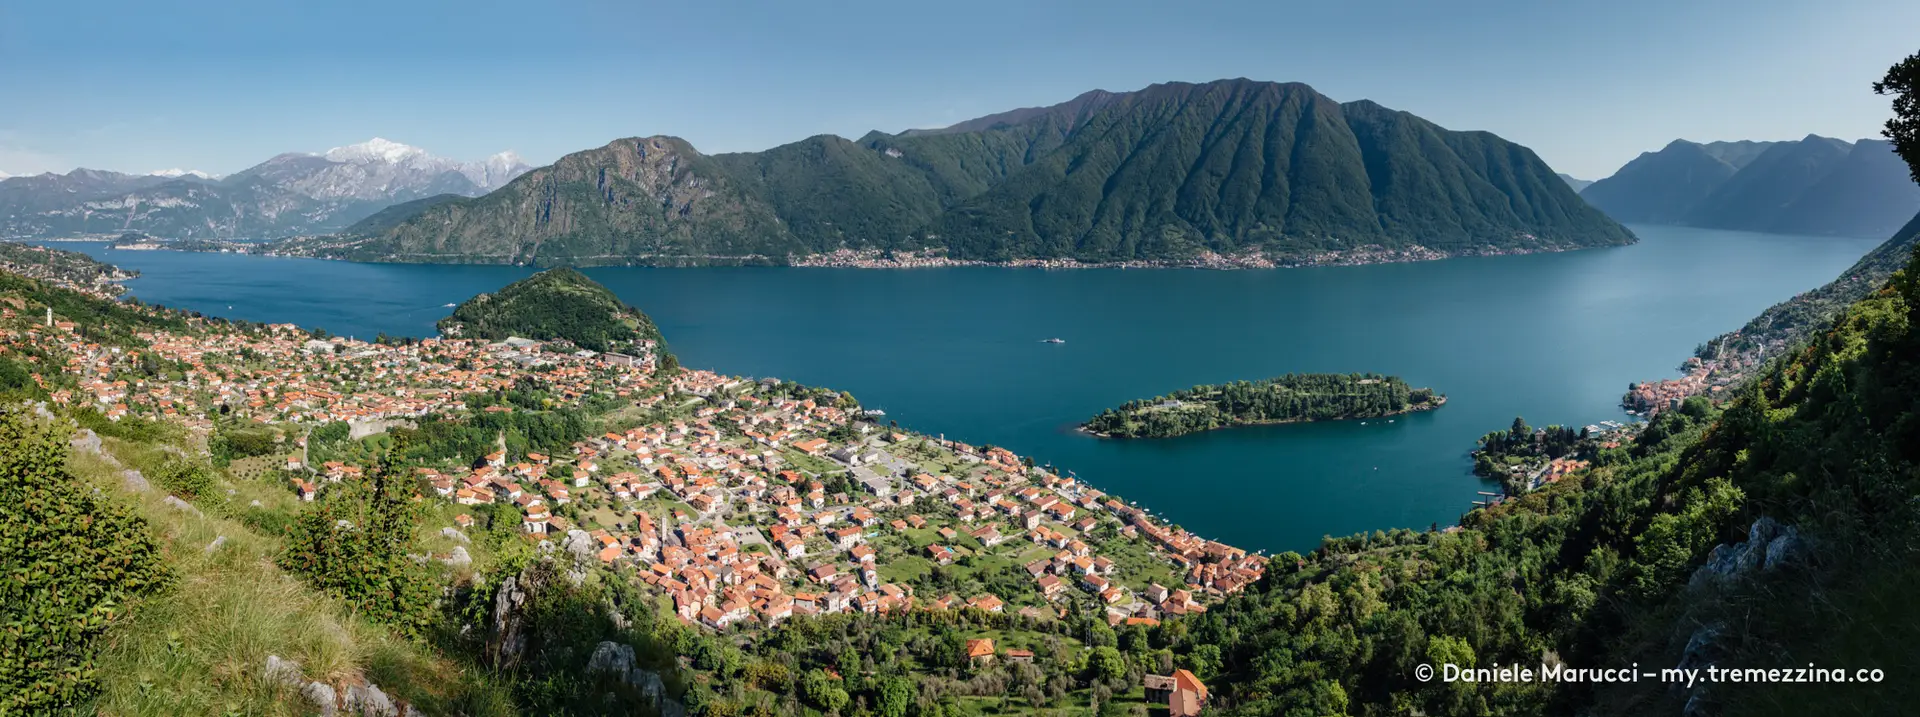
737, 500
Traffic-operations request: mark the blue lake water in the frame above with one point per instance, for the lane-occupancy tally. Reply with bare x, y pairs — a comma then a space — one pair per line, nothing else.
1553, 337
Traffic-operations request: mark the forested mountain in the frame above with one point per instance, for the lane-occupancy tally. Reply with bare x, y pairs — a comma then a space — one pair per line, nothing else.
1816, 185
1660, 187
1576, 184
1167, 172
1789, 322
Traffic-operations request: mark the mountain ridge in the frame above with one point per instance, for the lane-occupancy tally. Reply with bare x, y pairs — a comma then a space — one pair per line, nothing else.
289, 193
1815, 186
1168, 172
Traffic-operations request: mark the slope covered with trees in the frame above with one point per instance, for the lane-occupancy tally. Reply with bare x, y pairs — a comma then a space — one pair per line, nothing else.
553, 304
1164, 173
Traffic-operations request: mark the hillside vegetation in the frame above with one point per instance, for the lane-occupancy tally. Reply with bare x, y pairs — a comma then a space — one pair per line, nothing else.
553, 304
1165, 173
1286, 399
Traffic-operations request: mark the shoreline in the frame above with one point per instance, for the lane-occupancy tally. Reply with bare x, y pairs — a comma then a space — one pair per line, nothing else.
862, 259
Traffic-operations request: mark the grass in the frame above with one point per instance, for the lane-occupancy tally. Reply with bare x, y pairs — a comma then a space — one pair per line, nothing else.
201, 647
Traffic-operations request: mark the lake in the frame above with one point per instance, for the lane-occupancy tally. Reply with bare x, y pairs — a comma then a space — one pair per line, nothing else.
1552, 337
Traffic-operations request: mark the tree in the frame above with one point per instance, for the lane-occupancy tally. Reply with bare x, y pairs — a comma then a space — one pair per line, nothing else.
1106, 664
355, 545
896, 695
1903, 82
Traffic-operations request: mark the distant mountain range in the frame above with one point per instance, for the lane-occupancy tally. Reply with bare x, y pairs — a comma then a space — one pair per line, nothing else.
1577, 184
1168, 172
290, 194
1816, 185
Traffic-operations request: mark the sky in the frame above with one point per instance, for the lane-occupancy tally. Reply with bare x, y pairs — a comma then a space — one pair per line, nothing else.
220, 85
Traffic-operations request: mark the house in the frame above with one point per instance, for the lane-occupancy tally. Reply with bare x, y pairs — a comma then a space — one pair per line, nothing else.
1181, 692
812, 446
1020, 656
980, 651
940, 554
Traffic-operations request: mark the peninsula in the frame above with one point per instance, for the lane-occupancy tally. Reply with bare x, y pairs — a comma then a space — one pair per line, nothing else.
1293, 398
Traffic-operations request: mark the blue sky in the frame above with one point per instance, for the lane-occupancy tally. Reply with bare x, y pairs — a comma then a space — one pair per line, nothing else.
219, 85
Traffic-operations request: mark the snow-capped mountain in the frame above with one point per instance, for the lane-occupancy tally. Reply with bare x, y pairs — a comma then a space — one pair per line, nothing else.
4, 175
383, 170
175, 173
292, 193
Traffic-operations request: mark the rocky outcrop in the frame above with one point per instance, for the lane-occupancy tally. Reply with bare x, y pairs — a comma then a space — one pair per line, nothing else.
615, 661
1769, 546
507, 640
360, 699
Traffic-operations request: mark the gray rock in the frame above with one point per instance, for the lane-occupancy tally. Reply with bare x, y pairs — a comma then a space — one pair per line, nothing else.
1762, 531
86, 441
255, 504
134, 480
323, 697
509, 639
611, 657
454, 534
459, 558
217, 542
283, 671
179, 504
580, 545
369, 701
1787, 548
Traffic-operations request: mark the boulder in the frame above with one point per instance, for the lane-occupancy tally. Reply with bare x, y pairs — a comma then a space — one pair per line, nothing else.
455, 535
369, 701
611, 657
182, 505
323, 697
1787, 548
459, 558
215, 545
286, 672
134, 480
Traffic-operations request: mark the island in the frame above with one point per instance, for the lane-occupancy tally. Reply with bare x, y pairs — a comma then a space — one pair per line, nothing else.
1293, 398
555, 305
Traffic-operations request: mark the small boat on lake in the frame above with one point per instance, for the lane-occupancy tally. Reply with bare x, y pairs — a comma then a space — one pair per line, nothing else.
1053, 341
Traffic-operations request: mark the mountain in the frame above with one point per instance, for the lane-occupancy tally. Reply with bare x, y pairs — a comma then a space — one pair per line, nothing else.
1756, 196
1170, 172
554, 304
1870, 193
1576, 184
291, 193
1816, 185
1660, 187
175, 173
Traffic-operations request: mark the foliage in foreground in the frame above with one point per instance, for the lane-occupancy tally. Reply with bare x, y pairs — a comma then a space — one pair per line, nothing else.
71, 563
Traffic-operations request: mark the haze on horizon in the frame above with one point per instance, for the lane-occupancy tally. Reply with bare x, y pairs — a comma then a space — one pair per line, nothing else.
225, 84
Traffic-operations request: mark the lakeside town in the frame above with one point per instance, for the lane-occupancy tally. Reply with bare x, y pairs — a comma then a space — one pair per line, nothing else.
737, 500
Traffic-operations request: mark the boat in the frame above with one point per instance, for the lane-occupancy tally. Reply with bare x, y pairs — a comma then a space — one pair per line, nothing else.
1053, 341
448, 305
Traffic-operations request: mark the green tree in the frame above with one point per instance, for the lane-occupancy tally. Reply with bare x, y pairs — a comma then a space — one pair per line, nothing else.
1903, 129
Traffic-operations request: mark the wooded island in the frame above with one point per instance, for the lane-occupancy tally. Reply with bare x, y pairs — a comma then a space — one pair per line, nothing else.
1295, 397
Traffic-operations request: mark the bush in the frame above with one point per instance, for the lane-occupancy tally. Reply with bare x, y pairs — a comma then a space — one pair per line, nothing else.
354, 544
70, 562
184, 478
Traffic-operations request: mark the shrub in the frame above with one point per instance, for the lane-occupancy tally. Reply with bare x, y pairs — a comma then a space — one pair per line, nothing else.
70, 562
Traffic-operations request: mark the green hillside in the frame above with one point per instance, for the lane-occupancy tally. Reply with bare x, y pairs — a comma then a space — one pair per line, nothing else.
1160, 174
553, 304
